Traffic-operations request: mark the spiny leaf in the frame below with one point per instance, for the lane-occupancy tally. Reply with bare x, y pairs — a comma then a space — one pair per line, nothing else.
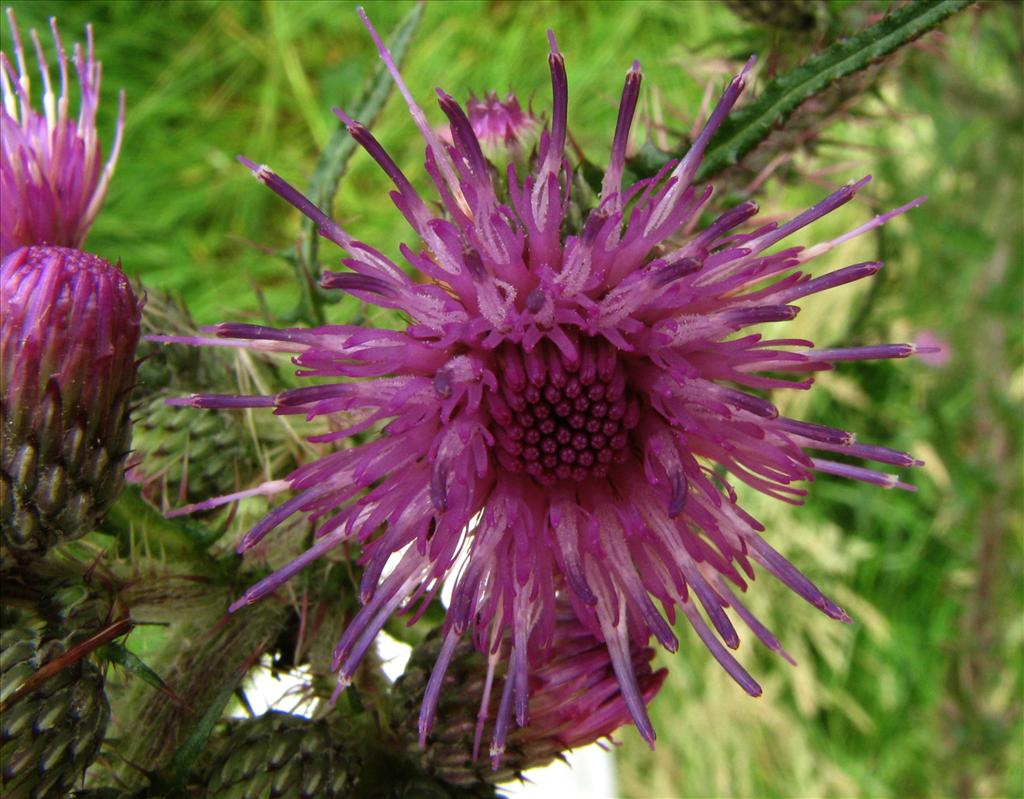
185, 757
334, 160
751, 124
120, 655
177, 538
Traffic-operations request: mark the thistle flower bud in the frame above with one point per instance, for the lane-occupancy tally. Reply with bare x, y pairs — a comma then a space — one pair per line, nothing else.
51, 171
278, 755
501, 124
67, 341
107, 793
162, 367
575, 700
506, 133
175, 460
51, 735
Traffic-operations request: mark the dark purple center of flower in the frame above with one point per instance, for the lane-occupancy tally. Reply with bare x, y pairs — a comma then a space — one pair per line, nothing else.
558, 419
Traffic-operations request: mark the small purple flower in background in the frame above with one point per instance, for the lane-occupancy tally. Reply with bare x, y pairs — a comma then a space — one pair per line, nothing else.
67, 341
557, 421
505, 132
501, 125
52, 178
934, 349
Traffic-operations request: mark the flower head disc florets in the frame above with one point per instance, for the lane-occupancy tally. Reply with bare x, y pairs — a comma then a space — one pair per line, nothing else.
558, 413
564, 419
52, 176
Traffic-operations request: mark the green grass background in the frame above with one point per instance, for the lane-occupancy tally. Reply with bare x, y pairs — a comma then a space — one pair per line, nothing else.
922, 695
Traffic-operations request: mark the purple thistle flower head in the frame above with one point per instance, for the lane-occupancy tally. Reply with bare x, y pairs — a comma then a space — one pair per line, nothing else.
562, 417
52, 176
67, 341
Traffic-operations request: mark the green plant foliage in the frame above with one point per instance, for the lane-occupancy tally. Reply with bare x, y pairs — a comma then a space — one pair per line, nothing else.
119, 655
335, 158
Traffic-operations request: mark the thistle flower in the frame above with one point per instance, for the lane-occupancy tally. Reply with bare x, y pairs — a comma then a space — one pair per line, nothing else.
565, 408
52, 179
505, 132
67, 341
499, 121
574, 701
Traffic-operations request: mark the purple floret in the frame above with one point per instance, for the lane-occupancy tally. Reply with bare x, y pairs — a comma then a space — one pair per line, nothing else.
52, 175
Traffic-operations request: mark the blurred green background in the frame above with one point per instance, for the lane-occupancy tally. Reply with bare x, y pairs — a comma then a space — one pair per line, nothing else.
922, 695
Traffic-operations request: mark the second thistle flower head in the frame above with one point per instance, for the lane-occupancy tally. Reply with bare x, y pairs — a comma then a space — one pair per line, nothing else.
574, 701
566, 408
52, 175
68, 334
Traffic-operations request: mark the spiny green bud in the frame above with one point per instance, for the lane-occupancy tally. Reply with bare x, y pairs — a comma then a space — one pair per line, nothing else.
48, 593
176, 459
282, 756
50, 734
180, 458
449, 754
68, 333
165, 367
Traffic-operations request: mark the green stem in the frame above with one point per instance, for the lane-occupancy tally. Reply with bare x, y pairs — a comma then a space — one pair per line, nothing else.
751, 124
332, 165
754, 122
